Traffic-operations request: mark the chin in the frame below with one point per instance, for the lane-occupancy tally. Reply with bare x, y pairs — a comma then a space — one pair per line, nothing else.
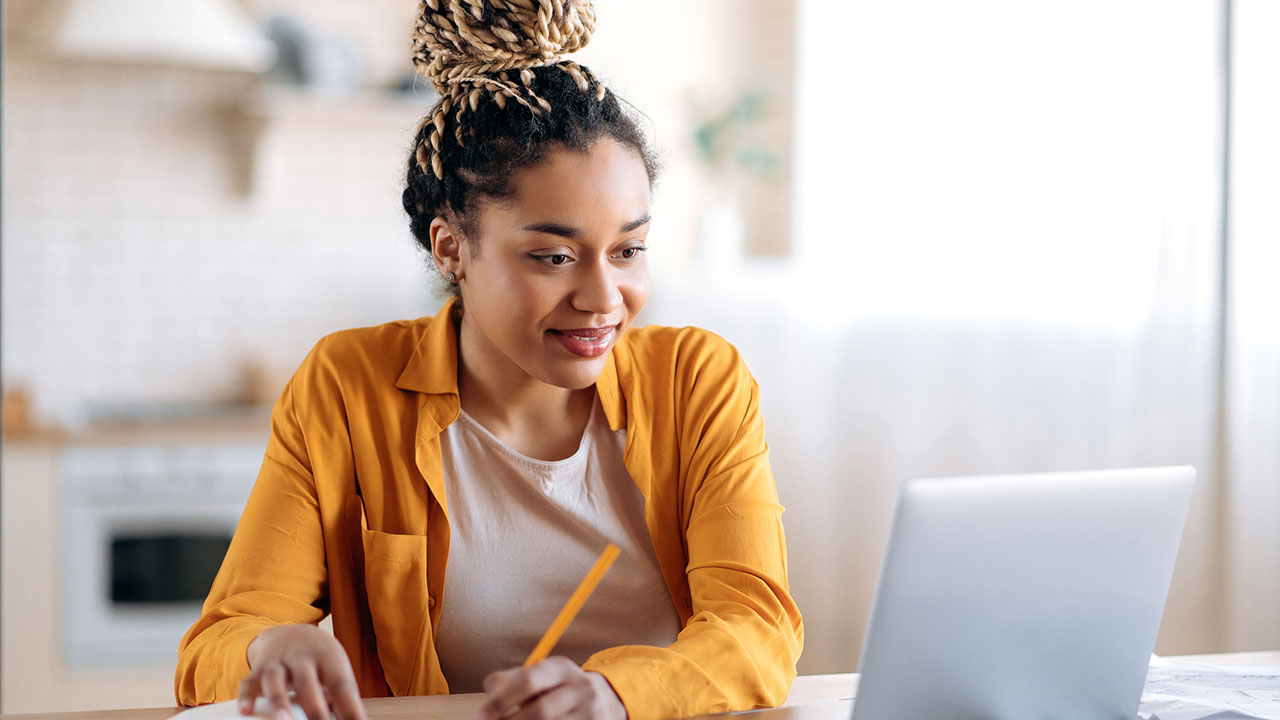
584, 375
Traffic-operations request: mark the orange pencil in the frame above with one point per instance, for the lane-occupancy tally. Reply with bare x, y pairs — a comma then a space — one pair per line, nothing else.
571, 608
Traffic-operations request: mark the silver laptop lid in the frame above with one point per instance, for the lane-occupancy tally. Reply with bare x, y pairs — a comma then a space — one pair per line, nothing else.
1022, 596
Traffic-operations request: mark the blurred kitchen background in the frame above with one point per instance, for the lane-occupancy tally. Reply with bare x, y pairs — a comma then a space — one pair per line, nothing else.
949, 238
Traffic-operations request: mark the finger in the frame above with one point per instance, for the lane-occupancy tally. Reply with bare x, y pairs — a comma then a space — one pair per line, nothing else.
306, 686
276, 688
494, 682
340, 685
603, 699
511, 688
250, 689
555, 704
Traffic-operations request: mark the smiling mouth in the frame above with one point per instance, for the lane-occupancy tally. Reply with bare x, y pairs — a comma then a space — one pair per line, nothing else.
586, 342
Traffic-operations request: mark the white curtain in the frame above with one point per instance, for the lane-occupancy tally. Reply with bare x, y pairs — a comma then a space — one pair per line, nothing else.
1008, 253
1252, 494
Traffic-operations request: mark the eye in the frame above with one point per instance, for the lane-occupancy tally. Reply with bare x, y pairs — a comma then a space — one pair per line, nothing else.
555, 259
633, 252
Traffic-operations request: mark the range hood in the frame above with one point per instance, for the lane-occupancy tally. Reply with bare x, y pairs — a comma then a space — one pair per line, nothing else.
213, 34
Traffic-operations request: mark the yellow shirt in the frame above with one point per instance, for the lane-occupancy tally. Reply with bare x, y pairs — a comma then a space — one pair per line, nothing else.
349, 517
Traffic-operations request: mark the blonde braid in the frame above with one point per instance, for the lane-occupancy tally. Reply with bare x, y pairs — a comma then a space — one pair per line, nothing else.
469, 49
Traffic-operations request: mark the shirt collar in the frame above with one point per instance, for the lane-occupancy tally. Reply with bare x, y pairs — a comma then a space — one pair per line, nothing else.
433, 366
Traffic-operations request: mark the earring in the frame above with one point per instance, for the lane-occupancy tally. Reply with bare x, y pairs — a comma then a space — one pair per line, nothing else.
451, 278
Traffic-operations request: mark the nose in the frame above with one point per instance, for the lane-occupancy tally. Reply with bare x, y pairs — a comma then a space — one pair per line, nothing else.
597, 289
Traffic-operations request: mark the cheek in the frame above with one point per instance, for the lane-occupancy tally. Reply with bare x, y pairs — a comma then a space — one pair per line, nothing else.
635, 290
520, 302
507, 286
531, 295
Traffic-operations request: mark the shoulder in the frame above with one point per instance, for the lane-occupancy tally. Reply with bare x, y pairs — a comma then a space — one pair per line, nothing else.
389, 344
691, 360
688, 350
361, 357
689, 393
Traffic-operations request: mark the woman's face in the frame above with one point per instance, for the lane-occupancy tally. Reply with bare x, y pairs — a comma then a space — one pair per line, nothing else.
556, 272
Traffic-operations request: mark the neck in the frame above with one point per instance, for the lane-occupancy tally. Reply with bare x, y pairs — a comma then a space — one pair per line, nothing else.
532, 417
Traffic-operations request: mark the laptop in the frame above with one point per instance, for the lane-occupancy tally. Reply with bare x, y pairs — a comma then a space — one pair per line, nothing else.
1018, 597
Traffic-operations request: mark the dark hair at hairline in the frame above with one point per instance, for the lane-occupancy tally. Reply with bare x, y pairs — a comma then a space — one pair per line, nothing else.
499, 140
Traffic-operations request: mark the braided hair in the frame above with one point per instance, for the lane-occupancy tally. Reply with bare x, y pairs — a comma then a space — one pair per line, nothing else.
507, 97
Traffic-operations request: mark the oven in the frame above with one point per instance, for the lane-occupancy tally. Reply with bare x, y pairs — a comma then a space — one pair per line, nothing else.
144, 531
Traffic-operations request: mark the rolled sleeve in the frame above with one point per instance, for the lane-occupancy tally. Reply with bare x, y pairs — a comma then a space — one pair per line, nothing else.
273, 572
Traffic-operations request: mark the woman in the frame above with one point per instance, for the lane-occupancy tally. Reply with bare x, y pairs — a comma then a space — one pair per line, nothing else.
504, 442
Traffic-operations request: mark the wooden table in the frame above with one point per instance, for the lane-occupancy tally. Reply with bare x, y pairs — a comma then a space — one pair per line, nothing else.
806, 689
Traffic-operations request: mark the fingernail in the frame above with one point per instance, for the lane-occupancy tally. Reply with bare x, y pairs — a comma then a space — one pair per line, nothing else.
283, 714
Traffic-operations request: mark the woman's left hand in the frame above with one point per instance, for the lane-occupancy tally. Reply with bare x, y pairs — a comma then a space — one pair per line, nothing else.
554, 688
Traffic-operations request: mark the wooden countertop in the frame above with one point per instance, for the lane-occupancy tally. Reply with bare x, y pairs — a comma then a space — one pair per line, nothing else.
215, 425
426, 707
806, 689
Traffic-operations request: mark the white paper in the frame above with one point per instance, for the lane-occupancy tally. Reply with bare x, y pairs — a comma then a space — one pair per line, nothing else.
229, 710
1201, 691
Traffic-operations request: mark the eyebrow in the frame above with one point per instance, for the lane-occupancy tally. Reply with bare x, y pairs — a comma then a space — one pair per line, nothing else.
636, 223
568, 231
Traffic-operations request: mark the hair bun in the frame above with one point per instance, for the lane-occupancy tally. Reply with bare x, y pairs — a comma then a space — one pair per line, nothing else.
461, 41
474, 50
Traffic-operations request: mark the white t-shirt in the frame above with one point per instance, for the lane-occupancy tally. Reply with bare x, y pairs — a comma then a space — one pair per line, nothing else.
523, 534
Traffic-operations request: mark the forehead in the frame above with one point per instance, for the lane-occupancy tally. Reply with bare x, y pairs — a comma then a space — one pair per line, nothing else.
607, 183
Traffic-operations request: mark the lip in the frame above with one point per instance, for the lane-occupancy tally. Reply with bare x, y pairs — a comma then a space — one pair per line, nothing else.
588, 332
588, 342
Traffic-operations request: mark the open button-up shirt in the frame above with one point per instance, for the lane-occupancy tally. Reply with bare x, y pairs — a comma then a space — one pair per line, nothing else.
349, 517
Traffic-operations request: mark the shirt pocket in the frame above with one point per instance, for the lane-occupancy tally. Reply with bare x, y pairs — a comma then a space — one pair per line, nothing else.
395, 579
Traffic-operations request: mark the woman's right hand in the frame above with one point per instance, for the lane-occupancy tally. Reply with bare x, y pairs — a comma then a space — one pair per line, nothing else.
308, 661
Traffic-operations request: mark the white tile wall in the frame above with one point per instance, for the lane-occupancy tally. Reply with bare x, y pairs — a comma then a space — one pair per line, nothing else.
146, 252
138, 263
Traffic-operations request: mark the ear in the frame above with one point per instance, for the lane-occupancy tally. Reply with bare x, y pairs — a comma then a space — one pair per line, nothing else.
446, 246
